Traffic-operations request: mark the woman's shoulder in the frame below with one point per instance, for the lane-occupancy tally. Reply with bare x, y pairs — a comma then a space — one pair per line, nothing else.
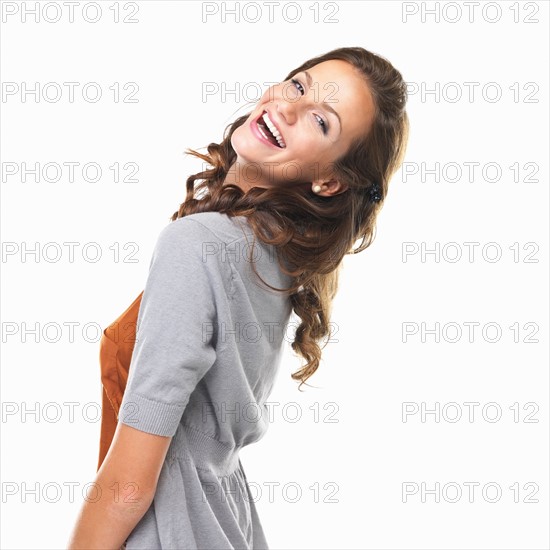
228, 240
214, 225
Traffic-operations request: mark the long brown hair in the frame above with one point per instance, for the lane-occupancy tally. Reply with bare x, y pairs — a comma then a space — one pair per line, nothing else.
311, 233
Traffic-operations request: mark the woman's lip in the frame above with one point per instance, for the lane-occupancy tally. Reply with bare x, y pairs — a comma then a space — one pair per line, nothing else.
258, 134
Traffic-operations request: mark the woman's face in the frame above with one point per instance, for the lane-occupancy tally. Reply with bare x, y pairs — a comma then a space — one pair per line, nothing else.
317, 115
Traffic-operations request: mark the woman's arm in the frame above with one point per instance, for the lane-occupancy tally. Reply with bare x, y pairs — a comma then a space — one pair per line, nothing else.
125, 488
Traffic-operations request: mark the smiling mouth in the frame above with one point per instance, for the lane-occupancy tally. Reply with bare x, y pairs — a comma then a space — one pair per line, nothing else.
268, 134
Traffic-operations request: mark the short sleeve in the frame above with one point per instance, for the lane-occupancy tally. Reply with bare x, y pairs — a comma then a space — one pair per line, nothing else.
175, 329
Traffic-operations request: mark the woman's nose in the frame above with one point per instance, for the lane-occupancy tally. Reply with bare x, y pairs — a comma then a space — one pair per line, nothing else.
288, 107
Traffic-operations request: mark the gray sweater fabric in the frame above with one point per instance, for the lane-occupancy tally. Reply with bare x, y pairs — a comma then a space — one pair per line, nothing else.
209, 340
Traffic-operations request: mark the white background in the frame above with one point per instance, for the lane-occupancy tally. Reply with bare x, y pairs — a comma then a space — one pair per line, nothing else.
367, 455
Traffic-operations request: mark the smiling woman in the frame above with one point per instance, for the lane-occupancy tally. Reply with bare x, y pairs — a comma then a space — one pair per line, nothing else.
296, 182
308, 122
310, 168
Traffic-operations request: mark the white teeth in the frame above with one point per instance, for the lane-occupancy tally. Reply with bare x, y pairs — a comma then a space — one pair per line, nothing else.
262, 132
274, 131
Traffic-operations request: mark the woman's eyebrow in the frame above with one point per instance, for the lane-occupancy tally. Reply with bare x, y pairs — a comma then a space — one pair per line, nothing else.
327, 105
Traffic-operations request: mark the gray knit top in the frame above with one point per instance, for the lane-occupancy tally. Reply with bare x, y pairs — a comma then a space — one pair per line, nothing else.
209, 339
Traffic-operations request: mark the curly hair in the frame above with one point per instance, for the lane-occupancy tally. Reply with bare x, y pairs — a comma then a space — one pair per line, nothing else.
312, 233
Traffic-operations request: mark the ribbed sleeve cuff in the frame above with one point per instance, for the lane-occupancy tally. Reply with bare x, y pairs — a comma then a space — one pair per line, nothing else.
150, 416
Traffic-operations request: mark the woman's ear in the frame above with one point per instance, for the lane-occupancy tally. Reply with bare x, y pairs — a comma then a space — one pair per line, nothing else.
328, 188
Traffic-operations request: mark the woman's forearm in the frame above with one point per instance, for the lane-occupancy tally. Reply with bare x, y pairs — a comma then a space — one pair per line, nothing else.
104, 524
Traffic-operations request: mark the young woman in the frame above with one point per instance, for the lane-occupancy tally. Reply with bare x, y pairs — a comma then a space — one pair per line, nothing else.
293, 186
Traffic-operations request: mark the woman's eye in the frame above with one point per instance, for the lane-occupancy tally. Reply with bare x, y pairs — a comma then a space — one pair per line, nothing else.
294, 81
322, 124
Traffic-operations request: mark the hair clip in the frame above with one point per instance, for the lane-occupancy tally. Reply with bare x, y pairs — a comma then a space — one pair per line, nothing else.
374, 193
